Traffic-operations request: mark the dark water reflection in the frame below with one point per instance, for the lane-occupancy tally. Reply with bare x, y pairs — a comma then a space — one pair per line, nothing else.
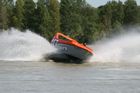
51, 77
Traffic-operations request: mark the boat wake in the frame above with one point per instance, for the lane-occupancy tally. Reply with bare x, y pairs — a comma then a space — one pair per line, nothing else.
23, 46
122, 48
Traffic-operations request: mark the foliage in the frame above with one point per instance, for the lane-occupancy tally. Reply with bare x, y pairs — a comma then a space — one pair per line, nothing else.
75, 18
131, 12
53, 8
29, 15
18, 16
42, 19
5, 6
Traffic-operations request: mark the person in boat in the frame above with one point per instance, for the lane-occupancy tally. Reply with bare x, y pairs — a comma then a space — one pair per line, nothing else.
84, 44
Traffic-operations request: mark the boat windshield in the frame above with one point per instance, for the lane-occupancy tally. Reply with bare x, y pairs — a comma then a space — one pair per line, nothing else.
63, 38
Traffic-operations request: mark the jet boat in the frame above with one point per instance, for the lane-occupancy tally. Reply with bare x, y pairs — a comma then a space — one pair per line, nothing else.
69, 48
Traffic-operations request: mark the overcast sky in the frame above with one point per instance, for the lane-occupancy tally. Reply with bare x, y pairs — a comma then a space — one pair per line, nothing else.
97, 3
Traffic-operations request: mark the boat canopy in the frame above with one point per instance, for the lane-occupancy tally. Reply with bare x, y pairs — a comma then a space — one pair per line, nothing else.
61, 38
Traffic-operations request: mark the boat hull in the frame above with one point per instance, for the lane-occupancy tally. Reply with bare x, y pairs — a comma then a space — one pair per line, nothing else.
69, 48
70, 52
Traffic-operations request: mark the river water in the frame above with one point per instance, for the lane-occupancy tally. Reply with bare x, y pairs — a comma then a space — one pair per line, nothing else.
51, 77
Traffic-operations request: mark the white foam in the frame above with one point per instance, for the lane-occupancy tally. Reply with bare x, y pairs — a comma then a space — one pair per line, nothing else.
25, 46
123, 48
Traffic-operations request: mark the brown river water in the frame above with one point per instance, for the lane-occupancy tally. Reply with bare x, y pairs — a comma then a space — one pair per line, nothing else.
52, 77
115, 67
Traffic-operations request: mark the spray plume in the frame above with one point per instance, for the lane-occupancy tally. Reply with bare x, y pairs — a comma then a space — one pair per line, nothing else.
122, 48
25, 46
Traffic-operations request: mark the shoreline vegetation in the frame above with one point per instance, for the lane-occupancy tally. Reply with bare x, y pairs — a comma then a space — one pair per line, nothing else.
75, 18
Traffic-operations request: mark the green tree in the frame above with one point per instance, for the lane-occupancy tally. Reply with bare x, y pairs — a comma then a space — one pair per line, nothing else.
78, 19
4, 15
89, 24
3, 18
71, 17
53, 7
65, 10
111, 18
117, 12
42, 17
10, 7
131, 12
29, 14
105, 17
18, 16
139, 15
117, 16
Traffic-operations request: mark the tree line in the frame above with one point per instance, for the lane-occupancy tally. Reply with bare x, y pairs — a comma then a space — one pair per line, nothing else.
76, 18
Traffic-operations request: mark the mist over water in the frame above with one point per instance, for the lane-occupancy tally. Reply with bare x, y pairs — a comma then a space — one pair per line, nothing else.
24, 46
122, 48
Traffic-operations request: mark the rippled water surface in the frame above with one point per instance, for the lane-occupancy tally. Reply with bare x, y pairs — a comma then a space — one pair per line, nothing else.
51, 77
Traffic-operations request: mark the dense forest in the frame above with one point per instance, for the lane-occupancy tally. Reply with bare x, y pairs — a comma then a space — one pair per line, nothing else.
75, 18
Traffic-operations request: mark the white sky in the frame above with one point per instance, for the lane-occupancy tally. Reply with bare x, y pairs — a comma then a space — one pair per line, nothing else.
97, 3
